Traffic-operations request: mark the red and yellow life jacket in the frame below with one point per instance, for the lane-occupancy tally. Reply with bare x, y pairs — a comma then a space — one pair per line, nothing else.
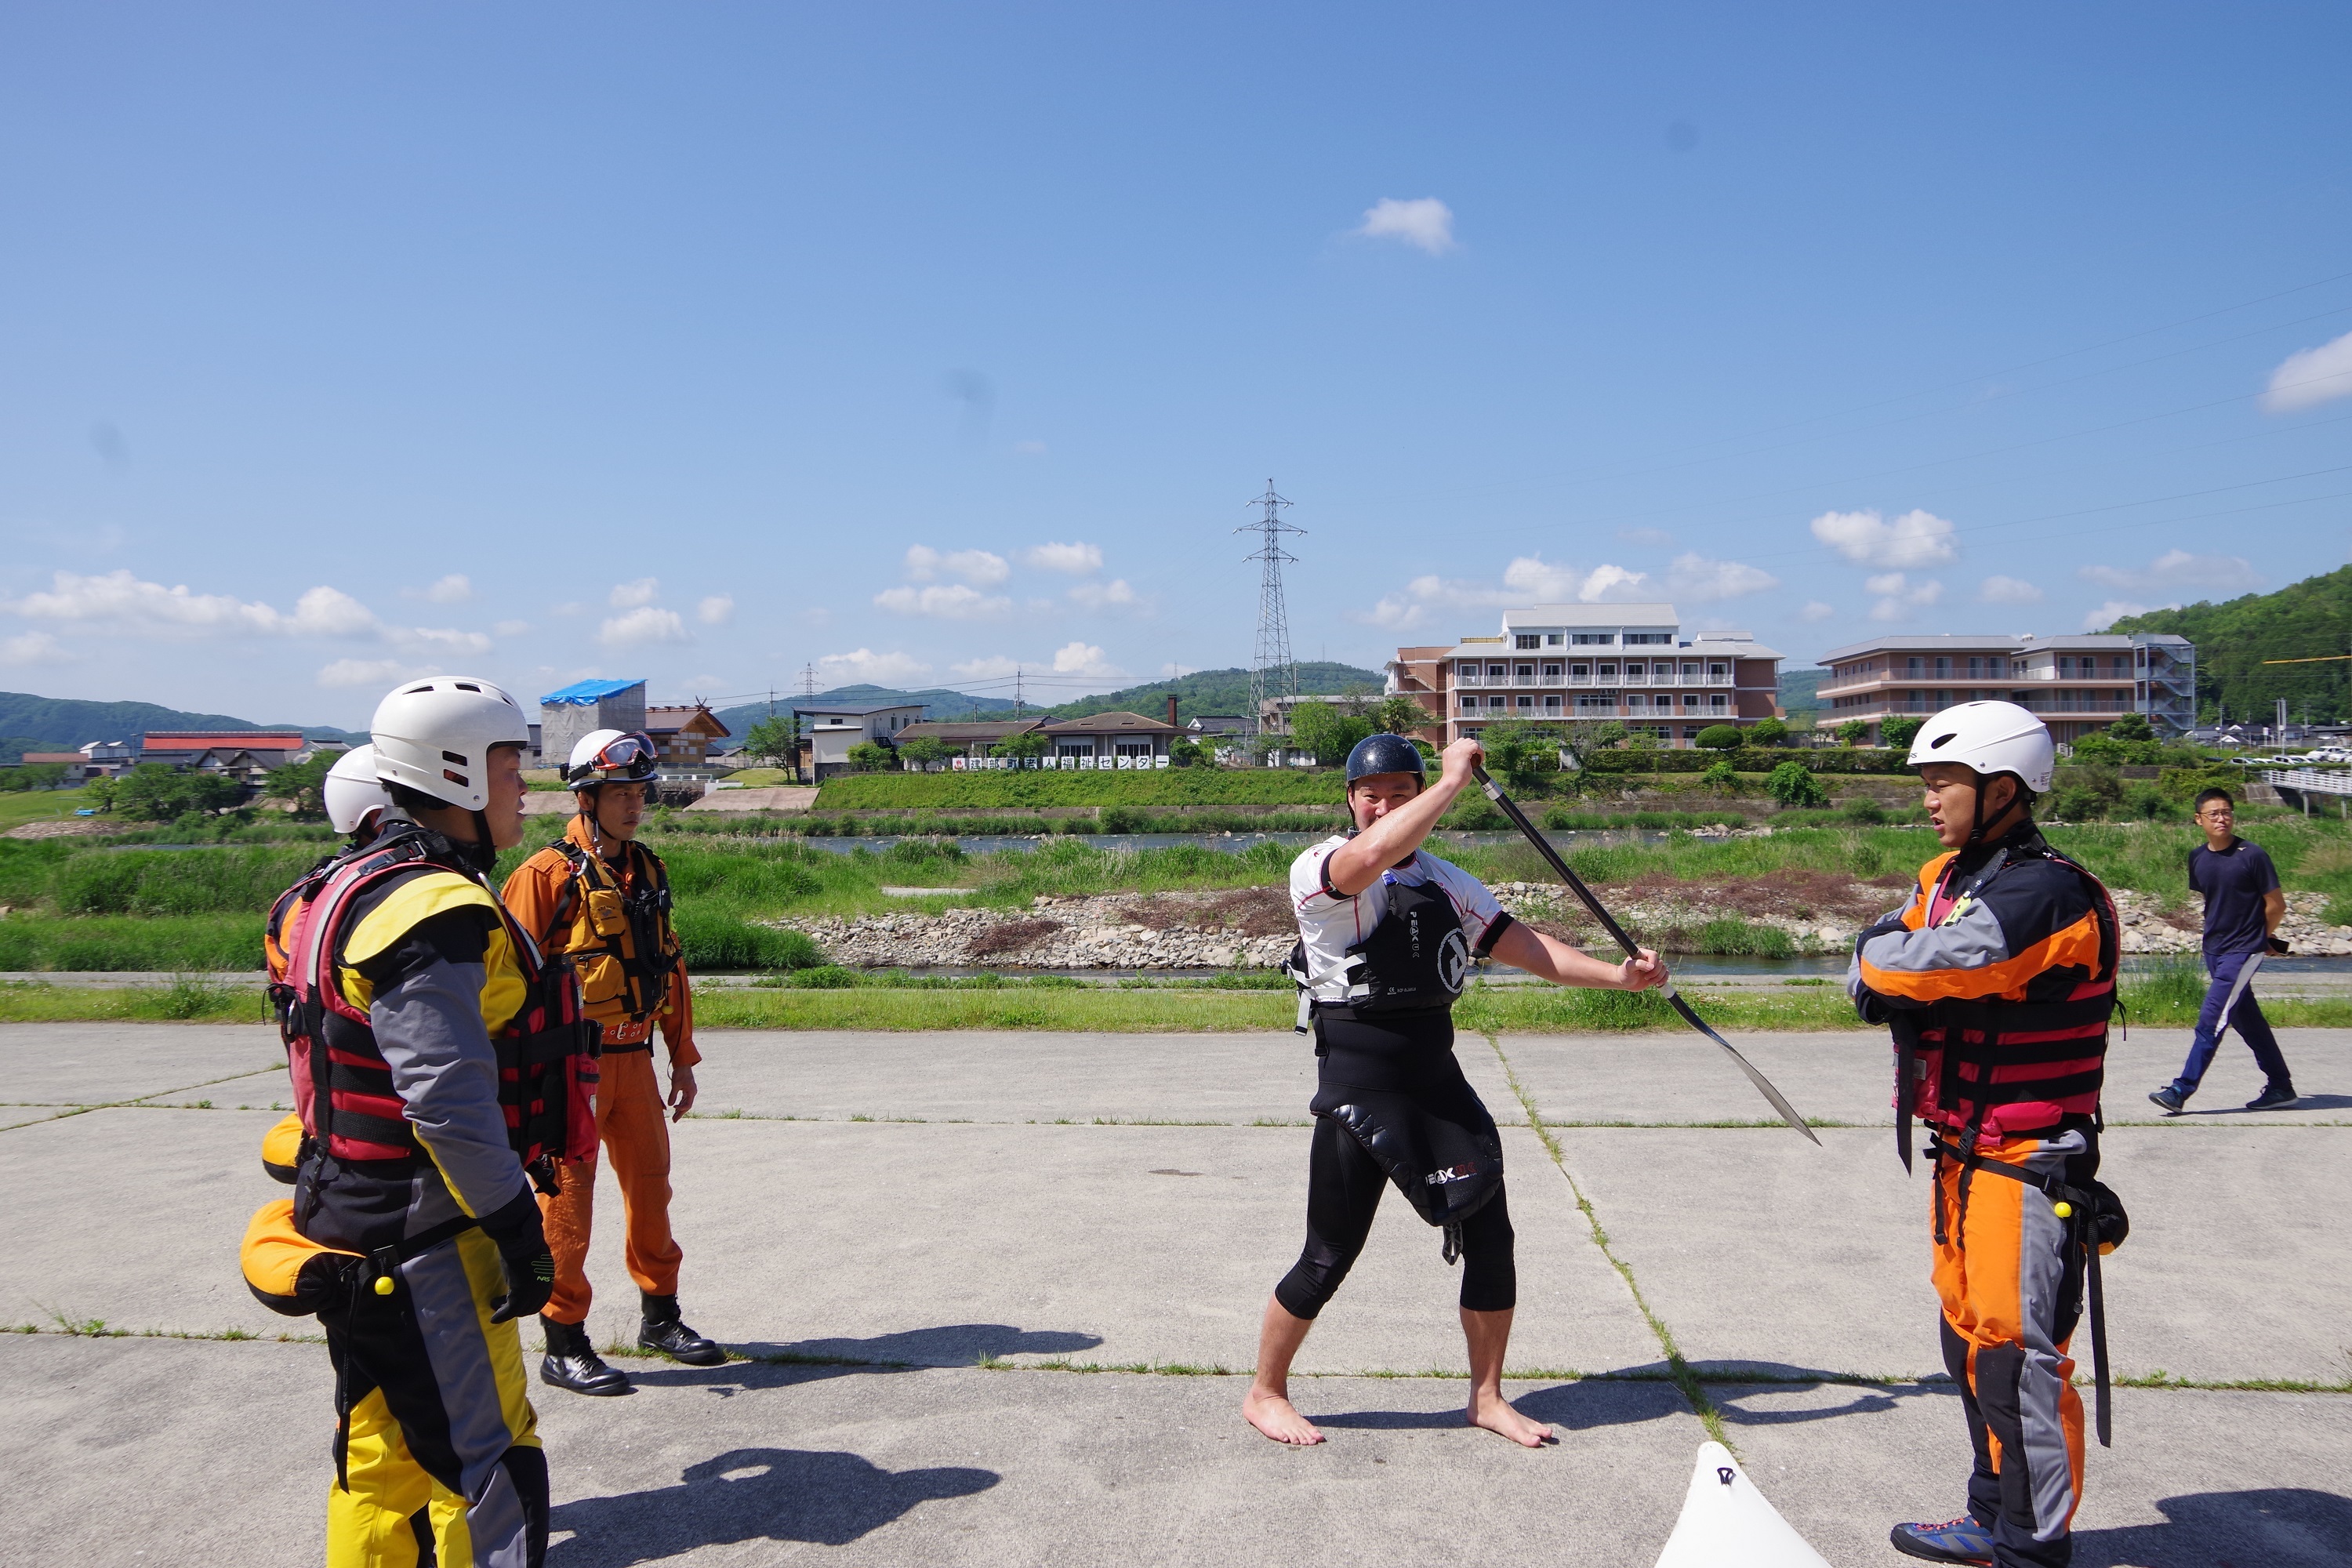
344, 1088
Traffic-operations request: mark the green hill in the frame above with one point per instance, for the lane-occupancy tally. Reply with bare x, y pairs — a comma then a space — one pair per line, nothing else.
30, 723
2308, 620
1801, 688
1202, 691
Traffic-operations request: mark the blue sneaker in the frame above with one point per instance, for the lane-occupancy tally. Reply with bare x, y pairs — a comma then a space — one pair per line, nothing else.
1962, 1541
2169, 1099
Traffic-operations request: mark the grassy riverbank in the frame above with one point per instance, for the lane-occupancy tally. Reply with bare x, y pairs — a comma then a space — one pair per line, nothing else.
75, 905
840, 999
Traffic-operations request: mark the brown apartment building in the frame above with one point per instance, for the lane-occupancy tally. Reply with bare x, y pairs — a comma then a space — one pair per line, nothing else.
1558, 662
2076, 684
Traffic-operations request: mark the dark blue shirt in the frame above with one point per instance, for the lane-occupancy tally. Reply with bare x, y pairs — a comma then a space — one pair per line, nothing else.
2233, 883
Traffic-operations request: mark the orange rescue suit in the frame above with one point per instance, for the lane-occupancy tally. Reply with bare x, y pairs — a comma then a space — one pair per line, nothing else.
568, 912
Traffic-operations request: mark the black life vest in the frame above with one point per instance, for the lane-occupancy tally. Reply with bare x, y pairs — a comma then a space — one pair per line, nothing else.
344, 1087
1415, 958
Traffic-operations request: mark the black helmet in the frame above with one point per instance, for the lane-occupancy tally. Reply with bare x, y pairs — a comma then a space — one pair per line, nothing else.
1385, 754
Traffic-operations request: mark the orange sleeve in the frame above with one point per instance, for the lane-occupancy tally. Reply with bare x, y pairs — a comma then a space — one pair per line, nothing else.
678, 1020
535, 889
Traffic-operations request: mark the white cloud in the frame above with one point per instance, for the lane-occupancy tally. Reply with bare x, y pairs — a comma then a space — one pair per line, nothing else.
453, 589
1425, 223
629, 596
2179, 568
1083, 658
1527, 579
122, 604
865, 665
2312, 376
33, 648
978, 567
1696, 577
1100, 595
511, 628
1866, 539
1076, 559
948, 601
644, 625
716, 610
1815, 610
991, 667
1998, 590
2115, 610
370, 672
1396, 613
1899, 596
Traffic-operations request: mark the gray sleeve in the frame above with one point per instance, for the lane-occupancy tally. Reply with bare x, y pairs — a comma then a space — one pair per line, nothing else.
428, 1024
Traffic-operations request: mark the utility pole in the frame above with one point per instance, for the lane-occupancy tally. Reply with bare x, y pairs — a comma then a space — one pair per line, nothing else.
1017, 691
1272, 672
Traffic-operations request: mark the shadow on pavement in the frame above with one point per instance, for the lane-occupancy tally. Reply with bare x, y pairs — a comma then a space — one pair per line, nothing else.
950, 1345
2274, 1528
2309, 1103
804, 1360
1861, 1399
751, 1494
1577, 1406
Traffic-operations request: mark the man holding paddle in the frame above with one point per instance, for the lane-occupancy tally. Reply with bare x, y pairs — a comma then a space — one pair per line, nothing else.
1387, 933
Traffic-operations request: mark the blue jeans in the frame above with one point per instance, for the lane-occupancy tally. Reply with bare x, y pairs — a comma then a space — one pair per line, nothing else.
2246, 1018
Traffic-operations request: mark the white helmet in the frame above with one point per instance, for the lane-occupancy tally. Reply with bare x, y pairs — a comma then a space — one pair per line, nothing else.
1988, 738
352, 790
610, 756
434, 736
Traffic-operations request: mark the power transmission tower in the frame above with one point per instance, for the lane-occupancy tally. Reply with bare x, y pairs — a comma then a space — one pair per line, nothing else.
808, 680
1272, 673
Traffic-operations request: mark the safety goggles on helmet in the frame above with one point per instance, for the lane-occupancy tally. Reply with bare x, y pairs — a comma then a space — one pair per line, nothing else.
621, 760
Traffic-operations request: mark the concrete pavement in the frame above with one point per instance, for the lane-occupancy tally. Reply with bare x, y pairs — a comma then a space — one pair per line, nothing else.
1038, 1202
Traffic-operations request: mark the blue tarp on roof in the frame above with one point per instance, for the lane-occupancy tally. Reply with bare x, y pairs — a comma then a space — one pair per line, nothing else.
587, 693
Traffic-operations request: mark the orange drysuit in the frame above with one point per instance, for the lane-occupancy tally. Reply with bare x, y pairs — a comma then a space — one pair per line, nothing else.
551, 898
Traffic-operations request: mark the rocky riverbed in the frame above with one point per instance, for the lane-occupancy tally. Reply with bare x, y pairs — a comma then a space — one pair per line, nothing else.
1250, 928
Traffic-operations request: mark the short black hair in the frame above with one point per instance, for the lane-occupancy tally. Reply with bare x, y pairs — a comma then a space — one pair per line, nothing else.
2216, 792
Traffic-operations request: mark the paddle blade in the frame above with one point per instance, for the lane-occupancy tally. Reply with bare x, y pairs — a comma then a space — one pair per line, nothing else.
1763, 1085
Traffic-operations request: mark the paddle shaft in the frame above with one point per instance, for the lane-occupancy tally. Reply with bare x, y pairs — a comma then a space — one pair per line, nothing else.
1608, 923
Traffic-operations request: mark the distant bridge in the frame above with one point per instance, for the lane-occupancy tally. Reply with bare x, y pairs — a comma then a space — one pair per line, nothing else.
2296, 786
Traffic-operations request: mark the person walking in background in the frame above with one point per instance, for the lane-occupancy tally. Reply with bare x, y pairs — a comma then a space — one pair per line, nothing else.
2243, 906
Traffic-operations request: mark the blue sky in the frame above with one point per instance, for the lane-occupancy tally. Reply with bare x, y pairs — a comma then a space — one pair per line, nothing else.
913, 343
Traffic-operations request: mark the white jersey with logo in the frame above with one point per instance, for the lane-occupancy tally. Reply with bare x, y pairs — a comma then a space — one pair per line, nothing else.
1330, 922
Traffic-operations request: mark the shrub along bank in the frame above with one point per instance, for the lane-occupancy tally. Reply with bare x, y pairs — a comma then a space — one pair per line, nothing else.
1153, 786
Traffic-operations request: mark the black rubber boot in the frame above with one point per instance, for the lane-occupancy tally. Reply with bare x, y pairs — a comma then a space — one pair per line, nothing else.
663, 1331
573, 1363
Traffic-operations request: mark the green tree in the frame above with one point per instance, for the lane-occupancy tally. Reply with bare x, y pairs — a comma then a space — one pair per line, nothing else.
1852, 731
1767, 732
32, 775
869, 757
774, 740
303, 785
923, 751
1527, 754
1719, 738
1721, 777
1794, 784
2132, 727
1327, 732
1897, 732
100, 794
1400, 715
153, 791
1022, 746
1185, 753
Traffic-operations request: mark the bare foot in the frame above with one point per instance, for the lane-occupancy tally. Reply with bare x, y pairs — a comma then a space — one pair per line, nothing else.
1493, 1412
1278, 1418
